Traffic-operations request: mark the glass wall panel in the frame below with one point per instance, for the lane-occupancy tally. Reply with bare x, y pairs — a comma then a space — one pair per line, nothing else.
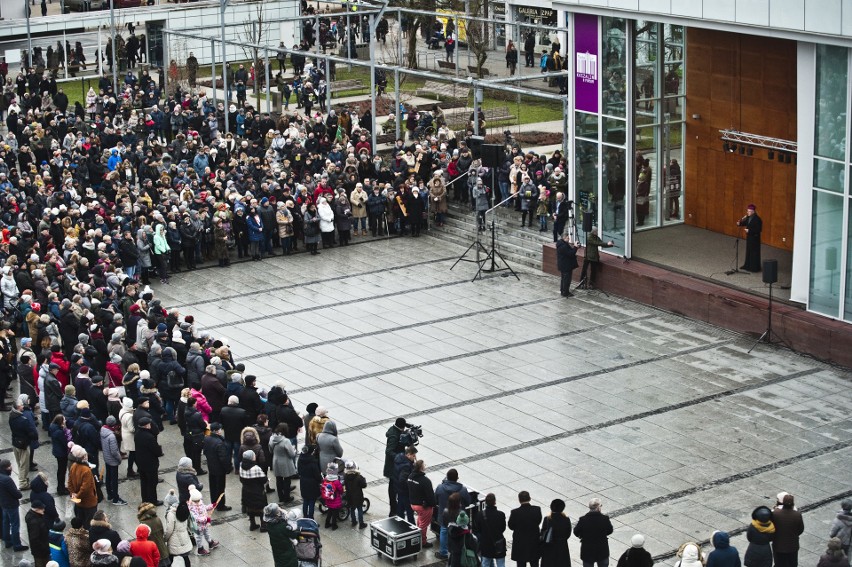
828, 175
847, 312
614, 67
614, 131
645, 70
826, 247
831, 101
586, 125
614, 183
644, 176
586, 171
672, 175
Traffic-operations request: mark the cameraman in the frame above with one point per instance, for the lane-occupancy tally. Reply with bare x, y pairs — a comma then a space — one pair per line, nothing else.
393, 447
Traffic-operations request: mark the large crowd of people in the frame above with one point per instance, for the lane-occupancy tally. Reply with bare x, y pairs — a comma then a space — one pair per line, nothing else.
97, 198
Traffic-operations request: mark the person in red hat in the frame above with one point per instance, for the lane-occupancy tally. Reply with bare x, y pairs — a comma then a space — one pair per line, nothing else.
753, 226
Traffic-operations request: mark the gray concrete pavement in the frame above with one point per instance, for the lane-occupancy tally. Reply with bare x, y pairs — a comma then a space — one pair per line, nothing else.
669, 421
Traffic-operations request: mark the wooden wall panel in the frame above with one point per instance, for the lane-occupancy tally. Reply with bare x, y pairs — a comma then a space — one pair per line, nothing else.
749, 84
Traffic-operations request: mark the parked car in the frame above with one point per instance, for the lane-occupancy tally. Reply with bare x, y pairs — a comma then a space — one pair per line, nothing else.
85, 5
127, 3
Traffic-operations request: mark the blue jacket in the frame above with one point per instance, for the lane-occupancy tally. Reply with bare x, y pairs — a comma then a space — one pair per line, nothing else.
449, 487
22, 428
255, 228
725, 555
39, 494
58, 548
58, 441
10, 496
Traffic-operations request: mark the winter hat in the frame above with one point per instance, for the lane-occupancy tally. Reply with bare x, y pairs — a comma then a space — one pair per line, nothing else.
846, 505
557, 506
111, 420
123, 547
144, 375
463, 520
638, 540
185, 462
321, 412
834, 544
194, 495
248, 455
82, 405
236, 377
127, 403
271, 512
171, 499
102, 547
78, 452
84, 370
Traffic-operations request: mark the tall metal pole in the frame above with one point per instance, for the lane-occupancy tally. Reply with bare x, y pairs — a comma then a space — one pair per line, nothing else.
466, 34
396, 102
114, 52
477, 100
29, 37
213, 72
372, 46
565, 140
100, 53
224, 5
456, 62
267, 84
399, 45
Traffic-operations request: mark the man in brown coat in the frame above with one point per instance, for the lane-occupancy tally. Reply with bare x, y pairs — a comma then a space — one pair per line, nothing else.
788, 527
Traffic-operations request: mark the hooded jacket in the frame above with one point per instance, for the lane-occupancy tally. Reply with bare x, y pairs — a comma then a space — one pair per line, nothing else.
250, 440
40, 494
842, 527
147, 515
690, 556
725, 555
144, 548
329, 445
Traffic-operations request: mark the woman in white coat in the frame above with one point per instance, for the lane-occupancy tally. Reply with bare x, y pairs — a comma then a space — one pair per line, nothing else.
326, 224
176, 532
128, 443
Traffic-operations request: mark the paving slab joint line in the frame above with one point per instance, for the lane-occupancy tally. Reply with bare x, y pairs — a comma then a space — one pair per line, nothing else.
400, 328
314, 282
612, 422
468, 355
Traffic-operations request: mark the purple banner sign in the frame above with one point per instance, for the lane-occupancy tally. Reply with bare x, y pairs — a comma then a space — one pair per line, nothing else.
586, 62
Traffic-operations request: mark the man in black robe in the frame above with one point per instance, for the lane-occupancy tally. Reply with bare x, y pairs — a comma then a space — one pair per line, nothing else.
753, 227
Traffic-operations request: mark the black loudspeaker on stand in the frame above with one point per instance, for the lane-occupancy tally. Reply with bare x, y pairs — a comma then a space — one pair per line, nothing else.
587, 221
770, 276
492, 155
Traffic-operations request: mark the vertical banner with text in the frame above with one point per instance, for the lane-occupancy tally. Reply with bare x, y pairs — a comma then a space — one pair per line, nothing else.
586, 62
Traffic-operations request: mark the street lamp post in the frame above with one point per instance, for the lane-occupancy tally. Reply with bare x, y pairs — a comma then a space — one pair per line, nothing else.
29, 37
224, 5
114, 53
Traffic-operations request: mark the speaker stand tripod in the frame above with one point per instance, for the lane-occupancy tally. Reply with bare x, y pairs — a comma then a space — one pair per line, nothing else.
736, 268
766, 337
491, 255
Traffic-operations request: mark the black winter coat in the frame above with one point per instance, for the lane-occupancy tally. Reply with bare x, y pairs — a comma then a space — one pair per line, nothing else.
148, 450
524, 522
37, 532
217, 454
593, 529
309, 477
185, 479
759, 552
555, 553
490, 523
233, 419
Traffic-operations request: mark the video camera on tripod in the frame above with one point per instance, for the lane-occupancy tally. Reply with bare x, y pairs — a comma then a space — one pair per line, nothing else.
411, 435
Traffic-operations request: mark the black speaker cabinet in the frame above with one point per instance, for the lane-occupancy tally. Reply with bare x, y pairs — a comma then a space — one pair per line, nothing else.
492, 155
475, 145
770, 271
587, 221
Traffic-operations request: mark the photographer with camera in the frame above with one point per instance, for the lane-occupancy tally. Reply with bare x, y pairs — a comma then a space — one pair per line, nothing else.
393, 447
399, 436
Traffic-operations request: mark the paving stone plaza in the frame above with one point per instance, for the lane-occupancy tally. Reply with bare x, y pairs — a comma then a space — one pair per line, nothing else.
670, 422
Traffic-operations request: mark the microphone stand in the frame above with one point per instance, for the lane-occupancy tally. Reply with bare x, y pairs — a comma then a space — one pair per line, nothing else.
491, 254
736, 268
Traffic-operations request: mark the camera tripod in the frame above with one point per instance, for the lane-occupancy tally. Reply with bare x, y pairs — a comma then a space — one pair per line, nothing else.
491, 255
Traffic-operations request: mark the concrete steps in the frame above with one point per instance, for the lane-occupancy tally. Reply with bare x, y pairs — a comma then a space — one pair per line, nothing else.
521, 246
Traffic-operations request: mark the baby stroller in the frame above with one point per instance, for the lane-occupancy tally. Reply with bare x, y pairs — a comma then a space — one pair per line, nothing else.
308, 545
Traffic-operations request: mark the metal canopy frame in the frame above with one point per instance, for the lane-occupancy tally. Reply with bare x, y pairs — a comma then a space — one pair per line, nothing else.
378, 9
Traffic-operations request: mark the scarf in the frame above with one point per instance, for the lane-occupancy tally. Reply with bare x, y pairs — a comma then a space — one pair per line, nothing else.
764, 528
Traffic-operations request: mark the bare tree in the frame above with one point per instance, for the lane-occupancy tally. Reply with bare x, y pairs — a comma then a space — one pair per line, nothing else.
477, 35
255, 32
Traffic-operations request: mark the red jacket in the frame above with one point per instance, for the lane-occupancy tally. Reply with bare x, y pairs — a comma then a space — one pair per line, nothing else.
143, 548
63, 376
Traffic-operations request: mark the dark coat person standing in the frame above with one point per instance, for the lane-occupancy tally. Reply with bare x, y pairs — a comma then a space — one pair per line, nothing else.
490, 525
636, 555
148, 453
788, 527
393, 447
566, 262
753, 227
760, 534
219, 464
593, 530
555, 530
524, 522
